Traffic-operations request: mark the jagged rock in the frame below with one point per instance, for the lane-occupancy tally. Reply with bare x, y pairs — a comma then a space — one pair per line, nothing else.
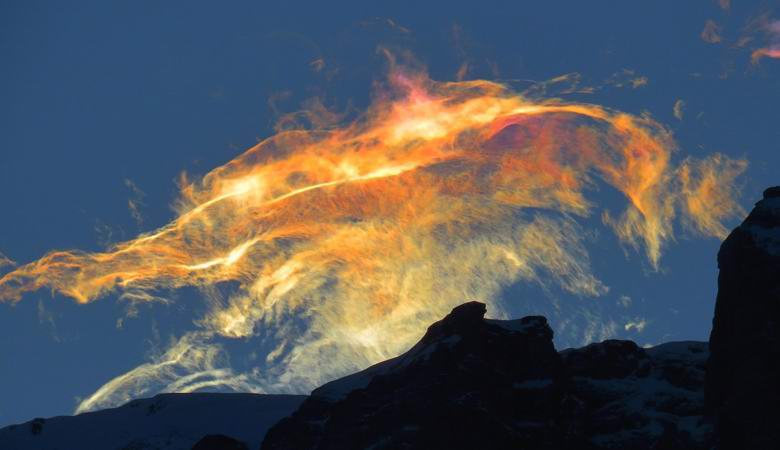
605, 360
640, 399
476, 383
742, 387
468, 383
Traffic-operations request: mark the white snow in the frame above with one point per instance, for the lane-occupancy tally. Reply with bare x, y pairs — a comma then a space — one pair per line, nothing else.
338, 389
513, 325
167, 421
647, 399
693, 351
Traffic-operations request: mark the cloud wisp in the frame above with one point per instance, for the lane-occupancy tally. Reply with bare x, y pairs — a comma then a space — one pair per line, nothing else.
344, 242
772, 49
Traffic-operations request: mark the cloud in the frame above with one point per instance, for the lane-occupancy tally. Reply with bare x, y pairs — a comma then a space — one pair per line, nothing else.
626, 78
346, 240
5, 261
679, 109
637, 325
188, 365
711, 32
772, 50
46, 317
135, 203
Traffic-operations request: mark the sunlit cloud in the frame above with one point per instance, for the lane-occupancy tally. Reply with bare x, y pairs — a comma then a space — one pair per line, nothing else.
638, 325
711, 32
136, 202
346, 240
772, 49
679, 109
5, 261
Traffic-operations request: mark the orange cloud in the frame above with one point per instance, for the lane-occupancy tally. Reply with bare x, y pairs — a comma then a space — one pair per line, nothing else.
711, 32
368, 230
772, 29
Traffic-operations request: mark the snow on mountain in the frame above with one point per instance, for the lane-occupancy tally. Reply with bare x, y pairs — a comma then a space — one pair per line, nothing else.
164, 422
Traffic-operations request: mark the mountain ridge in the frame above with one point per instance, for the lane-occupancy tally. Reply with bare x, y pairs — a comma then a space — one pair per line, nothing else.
472, 382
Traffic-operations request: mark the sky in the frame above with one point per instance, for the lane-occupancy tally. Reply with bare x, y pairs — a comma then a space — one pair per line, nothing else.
105, 105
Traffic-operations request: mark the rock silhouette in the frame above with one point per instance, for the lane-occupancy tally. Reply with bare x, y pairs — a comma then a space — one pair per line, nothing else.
473, 383
743, 375
477, 383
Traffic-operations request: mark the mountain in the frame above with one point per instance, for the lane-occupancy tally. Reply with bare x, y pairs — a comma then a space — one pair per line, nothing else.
166, 421
472, 382
476, 383
743, 374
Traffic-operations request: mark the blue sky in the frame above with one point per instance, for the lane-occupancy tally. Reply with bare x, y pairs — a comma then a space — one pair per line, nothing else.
95, 94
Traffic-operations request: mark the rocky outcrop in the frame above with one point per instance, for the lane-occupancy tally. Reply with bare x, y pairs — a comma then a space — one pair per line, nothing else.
634, 398
477, 383
461, 386
743, 376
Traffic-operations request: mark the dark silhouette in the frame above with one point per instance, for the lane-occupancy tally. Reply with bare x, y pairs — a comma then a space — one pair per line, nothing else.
219, 442
743, 374
476, 383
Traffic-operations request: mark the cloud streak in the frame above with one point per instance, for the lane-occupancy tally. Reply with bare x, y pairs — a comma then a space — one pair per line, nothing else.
772, 50
345, 241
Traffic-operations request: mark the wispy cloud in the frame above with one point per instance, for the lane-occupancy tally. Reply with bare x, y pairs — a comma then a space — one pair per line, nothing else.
345, 241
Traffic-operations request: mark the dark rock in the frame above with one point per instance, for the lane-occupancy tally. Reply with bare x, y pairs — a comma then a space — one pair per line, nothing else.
742, 388
219, 442
476, 383
772, 192
640, 399
468, 383
608, 359
36, 425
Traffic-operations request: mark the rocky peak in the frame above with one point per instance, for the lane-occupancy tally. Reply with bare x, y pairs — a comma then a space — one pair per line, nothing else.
772, 192
744, 367
472, 382
607, 360
478, 383
468, 383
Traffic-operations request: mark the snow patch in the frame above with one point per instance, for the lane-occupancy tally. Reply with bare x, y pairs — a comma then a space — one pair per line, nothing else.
165, 422
516, 326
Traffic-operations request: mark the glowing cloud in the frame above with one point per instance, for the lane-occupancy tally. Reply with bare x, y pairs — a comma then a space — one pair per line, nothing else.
772, 29
679, 109
345, 242
4, 261
711, 32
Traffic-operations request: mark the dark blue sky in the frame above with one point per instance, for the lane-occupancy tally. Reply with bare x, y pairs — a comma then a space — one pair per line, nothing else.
94, 94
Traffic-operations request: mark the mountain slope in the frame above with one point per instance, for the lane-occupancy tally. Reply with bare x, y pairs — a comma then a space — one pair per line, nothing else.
476, 383
743, 375
166, 421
